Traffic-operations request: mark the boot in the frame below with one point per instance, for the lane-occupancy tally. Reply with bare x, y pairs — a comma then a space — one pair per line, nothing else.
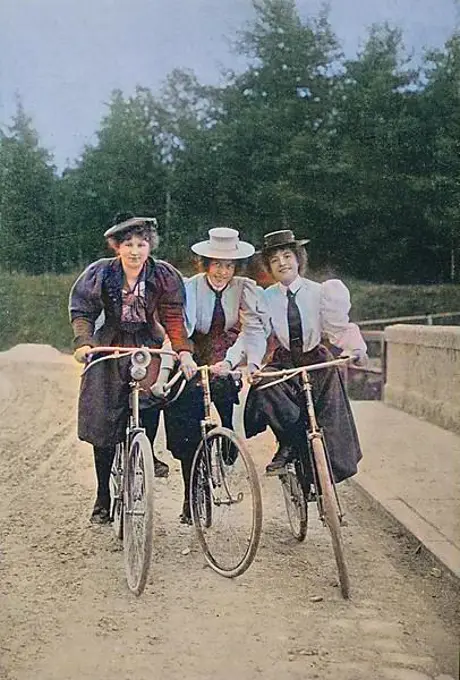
103, 459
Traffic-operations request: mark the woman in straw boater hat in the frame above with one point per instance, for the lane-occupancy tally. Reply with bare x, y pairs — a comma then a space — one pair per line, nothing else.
226, 329
140, 298
301, 313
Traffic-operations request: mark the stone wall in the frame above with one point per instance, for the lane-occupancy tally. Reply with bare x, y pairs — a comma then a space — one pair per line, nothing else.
423, 372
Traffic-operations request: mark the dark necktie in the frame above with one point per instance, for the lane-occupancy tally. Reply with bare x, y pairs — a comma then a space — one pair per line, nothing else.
218, 315
294, 325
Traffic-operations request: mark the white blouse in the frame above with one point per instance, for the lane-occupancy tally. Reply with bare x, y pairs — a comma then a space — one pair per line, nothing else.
240, 304
324, 309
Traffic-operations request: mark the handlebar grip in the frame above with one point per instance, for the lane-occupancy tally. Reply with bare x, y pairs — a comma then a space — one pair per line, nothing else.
173, 381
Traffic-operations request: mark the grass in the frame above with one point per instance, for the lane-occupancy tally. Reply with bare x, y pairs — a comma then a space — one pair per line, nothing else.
33, 309
377, 301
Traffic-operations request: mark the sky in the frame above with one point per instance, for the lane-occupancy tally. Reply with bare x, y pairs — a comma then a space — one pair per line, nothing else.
64, 57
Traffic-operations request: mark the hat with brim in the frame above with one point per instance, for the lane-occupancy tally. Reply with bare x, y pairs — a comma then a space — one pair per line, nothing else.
223, 244
132, 222
280, 239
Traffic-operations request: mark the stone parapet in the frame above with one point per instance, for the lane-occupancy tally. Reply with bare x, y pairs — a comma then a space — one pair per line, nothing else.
423, 372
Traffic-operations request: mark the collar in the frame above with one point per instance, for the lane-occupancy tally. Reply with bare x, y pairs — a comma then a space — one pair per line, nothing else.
293, 287
214, 290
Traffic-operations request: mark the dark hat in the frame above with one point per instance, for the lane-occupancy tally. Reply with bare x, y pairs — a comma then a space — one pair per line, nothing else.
279, 239
130, 223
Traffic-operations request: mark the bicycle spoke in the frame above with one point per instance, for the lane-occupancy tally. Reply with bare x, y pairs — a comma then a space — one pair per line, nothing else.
225, 502
138, 514
294, 499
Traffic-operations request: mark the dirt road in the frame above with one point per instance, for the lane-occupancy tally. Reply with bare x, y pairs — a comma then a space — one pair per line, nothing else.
65, 613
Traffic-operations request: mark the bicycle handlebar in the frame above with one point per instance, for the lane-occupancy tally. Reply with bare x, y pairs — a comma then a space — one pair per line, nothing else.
175, 378
287, 373
115, 352
129, 350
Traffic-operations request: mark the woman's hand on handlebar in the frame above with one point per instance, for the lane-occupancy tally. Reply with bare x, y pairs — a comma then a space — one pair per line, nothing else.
188, 365
81, 353
358, 357
159, 387
254, 374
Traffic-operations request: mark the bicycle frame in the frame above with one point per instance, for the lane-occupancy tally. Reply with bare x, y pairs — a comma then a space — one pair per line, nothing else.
313, 429
207, 424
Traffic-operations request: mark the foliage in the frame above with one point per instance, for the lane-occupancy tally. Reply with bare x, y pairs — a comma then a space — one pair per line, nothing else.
360, 155
27, 201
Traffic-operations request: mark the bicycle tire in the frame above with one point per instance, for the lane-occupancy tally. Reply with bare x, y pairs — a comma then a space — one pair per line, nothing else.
212, 450
116, 501
202, 493
138, 503
295, 502
331, 513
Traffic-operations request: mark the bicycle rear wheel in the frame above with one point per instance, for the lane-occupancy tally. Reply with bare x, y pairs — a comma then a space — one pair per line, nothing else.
294, 499
116, 501
138, 512
226, 502
331, 513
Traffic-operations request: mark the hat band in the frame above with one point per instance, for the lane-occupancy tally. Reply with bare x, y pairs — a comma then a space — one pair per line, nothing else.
218, 244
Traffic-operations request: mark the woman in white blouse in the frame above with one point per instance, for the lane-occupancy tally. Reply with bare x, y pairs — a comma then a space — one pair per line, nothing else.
225, 327
300, 315
222, 315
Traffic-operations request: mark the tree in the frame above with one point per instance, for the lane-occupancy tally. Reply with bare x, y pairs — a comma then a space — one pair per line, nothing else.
441, 110
27, 208
379, 128
261, 121
123, 171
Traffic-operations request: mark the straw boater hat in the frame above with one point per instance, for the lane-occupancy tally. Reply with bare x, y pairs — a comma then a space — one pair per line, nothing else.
223, 244
280, 239
130, 223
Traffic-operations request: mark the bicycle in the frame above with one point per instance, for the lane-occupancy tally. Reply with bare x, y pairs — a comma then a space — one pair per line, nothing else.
132, 473
294, 475
225, 495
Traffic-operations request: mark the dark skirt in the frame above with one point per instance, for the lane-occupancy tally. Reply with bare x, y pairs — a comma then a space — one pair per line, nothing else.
282, 408
103, 403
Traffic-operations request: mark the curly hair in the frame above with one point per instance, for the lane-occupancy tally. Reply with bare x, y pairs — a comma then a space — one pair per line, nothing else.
146, 231
299, 252
203, 264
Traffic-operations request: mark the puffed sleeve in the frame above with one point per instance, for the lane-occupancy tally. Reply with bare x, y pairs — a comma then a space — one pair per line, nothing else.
250, 346
171, 305
85, 303
335, 323
190, 304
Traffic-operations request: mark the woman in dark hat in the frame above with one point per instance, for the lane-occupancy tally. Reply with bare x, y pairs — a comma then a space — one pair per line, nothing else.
301, 314
226, 328
140, 298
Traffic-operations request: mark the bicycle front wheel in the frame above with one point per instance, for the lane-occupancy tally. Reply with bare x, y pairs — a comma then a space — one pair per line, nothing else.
226, 502
295, 502
331, 513
138, 512
115, 484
